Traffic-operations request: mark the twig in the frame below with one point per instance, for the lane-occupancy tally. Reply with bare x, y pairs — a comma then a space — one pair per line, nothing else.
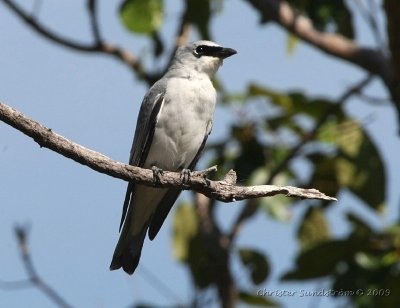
98, 46
252, 206
47, 32
220, 190
34, 280
281, 12
92, 9
369, 14
371, 60
373, 100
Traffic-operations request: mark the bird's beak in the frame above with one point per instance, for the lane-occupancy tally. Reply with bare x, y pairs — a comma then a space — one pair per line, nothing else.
225, 53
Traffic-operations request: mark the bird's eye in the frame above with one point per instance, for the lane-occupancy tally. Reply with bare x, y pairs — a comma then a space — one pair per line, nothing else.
200, 50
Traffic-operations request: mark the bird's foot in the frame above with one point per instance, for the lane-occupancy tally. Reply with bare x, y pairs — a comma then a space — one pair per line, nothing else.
185, 176
157, 172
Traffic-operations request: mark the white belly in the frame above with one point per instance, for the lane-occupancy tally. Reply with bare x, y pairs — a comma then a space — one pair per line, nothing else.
184, 120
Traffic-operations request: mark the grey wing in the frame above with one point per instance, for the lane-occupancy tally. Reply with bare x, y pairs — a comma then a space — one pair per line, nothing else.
144, 133
169, 199
145, 127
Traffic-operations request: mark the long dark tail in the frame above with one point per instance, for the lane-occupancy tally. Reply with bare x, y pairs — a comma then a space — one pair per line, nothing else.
128, 255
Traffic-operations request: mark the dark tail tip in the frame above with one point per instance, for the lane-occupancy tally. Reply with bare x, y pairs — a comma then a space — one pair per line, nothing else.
115, 264
127, 261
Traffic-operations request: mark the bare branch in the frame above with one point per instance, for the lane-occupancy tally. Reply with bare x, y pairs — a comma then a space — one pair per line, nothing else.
369, 14
219, 190
34, 280
372, 60
92, 9
382, 101
98, 46
392, 10
336, 45
217, 248
47, 33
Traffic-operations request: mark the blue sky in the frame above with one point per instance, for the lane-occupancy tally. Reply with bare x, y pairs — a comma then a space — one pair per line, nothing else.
74, 212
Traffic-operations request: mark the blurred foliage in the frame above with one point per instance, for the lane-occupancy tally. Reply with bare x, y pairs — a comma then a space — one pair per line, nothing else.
189, 246
142, 16
341, 156
292, 42
357, 164
366, 262
327, 14
188, 243
256, 300
272, 132
256, 263
313, 229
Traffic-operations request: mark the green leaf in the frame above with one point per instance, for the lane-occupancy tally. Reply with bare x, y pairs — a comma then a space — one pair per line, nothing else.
282, 100
142, 16
368, 261
189, 246
256, 300
360, 166
323, 259
324, 177
252, 154
199, 263
357, 166
313, 229
277, 207
293, 103
360, 228
256, 263
328, 131
291, 43
184, 229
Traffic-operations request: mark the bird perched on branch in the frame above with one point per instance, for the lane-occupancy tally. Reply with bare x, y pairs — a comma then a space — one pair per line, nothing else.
174, 121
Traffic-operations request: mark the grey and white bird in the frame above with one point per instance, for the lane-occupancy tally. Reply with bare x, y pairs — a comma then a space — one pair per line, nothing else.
174, 121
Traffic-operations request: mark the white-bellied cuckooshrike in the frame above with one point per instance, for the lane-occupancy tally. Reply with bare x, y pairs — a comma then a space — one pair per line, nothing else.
174, 121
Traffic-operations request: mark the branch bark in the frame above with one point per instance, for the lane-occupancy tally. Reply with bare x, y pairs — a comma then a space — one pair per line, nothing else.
371, 60
223, 190
218, 249
392, 9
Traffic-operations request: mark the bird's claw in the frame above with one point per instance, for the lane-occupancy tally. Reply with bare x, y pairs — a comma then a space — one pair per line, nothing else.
185, 176
157, 172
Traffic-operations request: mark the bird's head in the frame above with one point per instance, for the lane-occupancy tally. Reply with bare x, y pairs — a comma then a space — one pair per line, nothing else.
202, 56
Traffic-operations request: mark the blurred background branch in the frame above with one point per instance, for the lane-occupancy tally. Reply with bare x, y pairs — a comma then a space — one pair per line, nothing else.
34, 280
